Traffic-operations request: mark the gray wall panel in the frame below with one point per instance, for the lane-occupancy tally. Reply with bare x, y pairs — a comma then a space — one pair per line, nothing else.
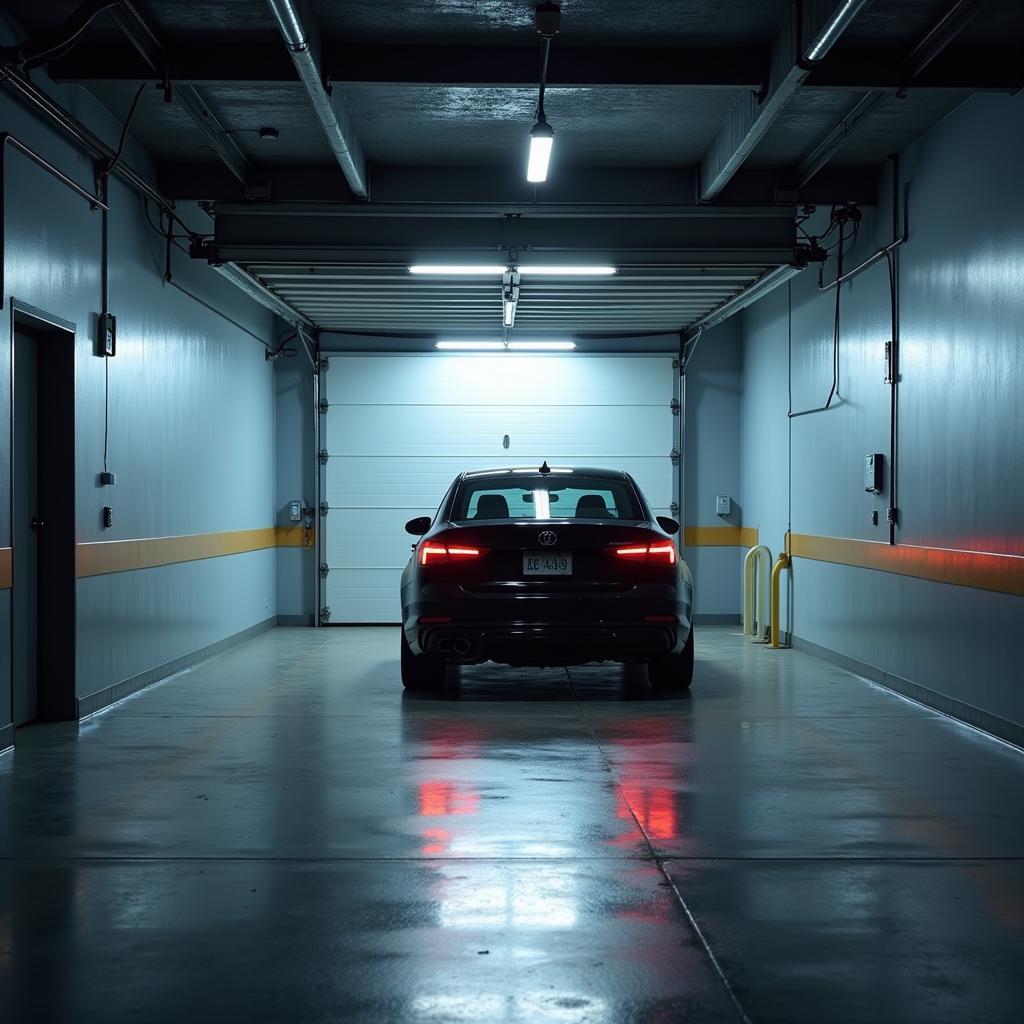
191, 407
712, 463
129, 622
961, 465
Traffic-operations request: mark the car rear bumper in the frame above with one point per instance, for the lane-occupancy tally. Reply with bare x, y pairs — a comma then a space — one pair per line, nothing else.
550, 631
549, 643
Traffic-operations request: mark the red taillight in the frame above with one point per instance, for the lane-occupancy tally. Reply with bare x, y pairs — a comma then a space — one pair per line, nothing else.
438, 552
658, 553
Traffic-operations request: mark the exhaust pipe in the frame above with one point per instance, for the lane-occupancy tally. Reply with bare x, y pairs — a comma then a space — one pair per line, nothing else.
461, 646
444, 645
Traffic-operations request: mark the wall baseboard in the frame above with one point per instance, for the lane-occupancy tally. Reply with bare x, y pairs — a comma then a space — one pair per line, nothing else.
1001, 728
716, 620
295, 620
101, 699
6, 737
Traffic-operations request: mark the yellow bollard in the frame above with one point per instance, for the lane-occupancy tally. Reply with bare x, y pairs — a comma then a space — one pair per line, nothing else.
781, 563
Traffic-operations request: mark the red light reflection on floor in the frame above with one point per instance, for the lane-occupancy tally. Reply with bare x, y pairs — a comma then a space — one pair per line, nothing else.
654, 807
438, 799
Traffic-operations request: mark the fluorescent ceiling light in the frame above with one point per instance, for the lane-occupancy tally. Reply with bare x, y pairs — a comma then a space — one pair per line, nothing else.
459, 269
543, 346
567, 271
480, 345
542, 138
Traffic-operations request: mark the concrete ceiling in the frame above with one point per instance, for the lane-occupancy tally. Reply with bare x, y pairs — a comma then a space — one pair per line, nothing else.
442, 94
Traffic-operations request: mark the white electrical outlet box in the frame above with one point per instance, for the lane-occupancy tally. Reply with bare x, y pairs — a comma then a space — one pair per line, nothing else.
295, 511
723, 505
873, 467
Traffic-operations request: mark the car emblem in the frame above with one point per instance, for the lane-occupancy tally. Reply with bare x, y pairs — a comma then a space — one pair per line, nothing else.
548, 538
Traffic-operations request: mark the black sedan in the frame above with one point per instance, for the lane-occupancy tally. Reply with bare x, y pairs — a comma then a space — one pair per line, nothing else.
548, 566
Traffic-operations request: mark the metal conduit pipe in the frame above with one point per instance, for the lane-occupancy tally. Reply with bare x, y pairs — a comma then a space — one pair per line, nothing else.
757, 567
331, 112
781, 563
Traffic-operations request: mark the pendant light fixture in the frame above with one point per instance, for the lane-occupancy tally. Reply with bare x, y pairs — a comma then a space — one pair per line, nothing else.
542, 135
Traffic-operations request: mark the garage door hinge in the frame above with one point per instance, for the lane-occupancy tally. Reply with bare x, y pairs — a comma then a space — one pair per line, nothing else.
323, 365
324, 508
324, 406
674, 455
324, 456
324, 570
674, 406
325, 615
892, 516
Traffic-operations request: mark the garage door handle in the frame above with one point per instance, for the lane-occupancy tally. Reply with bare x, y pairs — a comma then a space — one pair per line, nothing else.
37, 524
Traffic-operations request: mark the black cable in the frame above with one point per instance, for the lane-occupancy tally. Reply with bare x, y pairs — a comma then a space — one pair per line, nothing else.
124, 131
33, 52
835, 332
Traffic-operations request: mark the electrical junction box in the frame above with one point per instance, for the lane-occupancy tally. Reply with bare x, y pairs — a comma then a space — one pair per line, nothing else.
108, 334
723, 505
873, 468
295, 511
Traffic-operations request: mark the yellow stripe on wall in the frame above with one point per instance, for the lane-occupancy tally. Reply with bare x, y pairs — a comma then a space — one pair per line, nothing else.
720, 536
97, 558
5, 568
294, 537
1003, 574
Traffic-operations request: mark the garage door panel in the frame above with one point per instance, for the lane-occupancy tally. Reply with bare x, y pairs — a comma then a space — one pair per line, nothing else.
400, 429
571, 434
442, 379
364, 595
369, 538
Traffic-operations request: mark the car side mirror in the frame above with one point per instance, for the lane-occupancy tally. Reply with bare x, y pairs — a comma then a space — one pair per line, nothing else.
668, 525
418, 526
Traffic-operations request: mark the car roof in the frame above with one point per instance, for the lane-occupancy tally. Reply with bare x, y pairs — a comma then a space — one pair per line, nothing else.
612, 474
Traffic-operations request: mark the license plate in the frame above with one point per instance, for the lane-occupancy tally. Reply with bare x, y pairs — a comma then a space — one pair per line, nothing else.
547, 563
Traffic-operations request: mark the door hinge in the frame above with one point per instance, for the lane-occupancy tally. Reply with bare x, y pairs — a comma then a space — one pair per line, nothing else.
674, 406
323, 365
324, 570
675, 364
324, 456
324, 508
324, 406
892, 516
675, 455
674, 509
325, 615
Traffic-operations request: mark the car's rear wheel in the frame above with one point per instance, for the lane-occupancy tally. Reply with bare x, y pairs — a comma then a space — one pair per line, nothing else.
673, 671
421, 671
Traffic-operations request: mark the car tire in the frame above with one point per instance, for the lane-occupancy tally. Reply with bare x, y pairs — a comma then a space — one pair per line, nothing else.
421, 671
674, 671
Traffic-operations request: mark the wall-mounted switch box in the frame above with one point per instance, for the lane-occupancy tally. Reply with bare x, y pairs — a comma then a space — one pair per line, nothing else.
723, 505
107, 334
873, 467
295, 511
107, 479
108, 517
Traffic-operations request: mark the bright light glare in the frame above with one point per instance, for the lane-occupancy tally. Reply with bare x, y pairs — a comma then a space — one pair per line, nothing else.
459, 269
542, 504
543, 346
510, 312
480, 345
569, 271
540, 156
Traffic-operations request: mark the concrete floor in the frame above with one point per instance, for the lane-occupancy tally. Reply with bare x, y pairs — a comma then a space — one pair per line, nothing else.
280, 835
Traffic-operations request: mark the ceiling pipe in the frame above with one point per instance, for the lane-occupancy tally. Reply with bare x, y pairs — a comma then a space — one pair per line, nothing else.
330, 108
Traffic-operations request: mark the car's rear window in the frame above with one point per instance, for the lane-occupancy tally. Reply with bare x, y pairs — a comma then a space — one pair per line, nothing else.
559, 495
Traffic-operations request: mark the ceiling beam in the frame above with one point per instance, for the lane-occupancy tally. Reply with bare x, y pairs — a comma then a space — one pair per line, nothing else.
428, 66
504, 187
920, 58
299, 32
807, 34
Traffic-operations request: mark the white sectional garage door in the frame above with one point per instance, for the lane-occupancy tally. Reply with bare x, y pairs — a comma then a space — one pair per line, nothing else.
399, 428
